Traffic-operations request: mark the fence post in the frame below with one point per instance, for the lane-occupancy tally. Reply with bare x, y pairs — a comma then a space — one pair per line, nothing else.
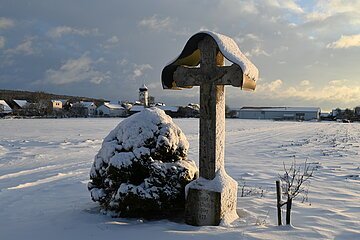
279, 202
288, 211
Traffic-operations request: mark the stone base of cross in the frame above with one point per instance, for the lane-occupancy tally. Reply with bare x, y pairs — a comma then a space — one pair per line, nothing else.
209, 202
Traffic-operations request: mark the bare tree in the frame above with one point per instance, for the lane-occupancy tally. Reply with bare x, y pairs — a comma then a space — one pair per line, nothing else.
294, 182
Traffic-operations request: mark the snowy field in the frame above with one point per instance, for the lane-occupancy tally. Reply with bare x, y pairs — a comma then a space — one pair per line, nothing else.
45, 164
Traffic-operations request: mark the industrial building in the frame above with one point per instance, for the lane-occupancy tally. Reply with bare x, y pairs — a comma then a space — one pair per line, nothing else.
280, 113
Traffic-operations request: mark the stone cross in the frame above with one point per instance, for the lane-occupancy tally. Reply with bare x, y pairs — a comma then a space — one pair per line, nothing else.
205, 205
209, 76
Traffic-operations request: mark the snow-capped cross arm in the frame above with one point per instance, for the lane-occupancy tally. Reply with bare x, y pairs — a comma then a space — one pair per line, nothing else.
183, 72
186, 77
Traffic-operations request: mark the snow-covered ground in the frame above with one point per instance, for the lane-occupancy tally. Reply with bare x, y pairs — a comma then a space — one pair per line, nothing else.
45, 164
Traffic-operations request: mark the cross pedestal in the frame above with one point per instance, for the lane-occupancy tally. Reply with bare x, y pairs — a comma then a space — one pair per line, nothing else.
212, 197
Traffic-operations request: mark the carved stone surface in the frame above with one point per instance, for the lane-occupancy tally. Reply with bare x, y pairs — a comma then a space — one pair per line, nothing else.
202, 208
205, 207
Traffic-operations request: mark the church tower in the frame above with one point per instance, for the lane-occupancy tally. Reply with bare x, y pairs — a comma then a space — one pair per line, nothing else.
144, 95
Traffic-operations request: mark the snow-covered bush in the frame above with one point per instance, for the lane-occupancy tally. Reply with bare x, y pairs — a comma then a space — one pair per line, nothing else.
142, 168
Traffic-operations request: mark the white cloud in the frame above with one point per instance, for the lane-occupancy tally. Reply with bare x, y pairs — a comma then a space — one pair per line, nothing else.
335, 92
249, 8
113, 40
338, 82
59, 31
269, 87
6, 23
250, 37
76, 70
155, 23
327, 8
305, 83
25, 48
346, 42
255, 40
339, 6
122, 62
286, 4
2, 41
257, 51
138, 70
275, 85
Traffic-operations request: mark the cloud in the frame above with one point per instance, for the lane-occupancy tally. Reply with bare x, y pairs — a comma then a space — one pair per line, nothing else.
76, 70
335, 92
6, 23
133, 70
325, 9
305, 83
269, 87
338, 82
111, 42
346, 42
2, 41
257, 51
255, 40
59, 31
25, 48
155, 23
286, 4
138, 70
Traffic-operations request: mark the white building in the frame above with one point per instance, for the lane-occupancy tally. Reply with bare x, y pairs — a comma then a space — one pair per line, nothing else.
4, 107
144, 95
111, 110
136, 109
90, 108
280, 113
56, 104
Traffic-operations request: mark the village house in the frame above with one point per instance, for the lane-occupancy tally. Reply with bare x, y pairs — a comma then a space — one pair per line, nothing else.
21, 103
189, 111
90, 108
357, 111
172, 111
56, 104
4, 108
19, 106
135, 109
111, 110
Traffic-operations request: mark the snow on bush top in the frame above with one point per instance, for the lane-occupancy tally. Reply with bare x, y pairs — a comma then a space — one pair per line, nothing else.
135, 136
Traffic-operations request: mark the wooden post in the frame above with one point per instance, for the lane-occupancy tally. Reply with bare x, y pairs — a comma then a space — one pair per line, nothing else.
288, 211
279, 202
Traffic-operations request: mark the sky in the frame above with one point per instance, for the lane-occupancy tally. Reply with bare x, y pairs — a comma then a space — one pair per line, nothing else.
307, 52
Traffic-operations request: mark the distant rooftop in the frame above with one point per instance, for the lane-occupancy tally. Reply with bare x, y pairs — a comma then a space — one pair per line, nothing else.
87, 104
143, 88
21, 103
113, 106
6, 107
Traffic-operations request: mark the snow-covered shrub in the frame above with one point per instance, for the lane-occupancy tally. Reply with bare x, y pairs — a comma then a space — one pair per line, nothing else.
142, 168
